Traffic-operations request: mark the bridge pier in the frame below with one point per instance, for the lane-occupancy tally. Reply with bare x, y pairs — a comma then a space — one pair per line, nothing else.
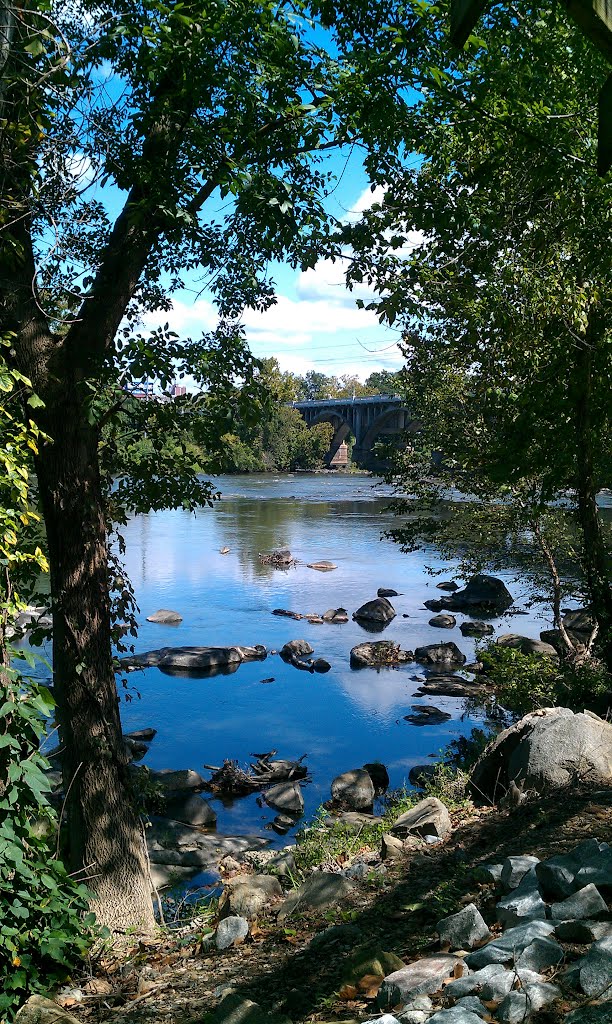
367, 419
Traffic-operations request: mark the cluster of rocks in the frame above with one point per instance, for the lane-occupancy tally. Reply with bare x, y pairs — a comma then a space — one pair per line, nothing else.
506, 976
297, 653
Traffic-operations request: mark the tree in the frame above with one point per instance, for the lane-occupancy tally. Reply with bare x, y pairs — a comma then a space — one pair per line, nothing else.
383, 382
203, 123
505, 303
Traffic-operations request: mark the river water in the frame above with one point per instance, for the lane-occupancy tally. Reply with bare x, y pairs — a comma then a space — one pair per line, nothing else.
340, 720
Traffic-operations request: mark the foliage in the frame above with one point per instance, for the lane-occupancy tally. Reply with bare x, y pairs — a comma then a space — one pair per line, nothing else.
525, 682
45, 926
491, 255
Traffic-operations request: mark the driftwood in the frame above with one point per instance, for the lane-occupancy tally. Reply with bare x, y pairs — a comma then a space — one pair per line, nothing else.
232, 780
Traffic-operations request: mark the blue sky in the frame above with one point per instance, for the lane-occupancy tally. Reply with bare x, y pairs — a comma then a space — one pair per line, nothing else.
315, 323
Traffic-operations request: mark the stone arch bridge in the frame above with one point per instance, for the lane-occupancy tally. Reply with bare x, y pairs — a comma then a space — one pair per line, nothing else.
368, 420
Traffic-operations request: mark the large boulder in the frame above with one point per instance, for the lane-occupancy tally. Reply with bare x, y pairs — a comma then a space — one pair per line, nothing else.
485, 594
440, 654
548, 749
354, 789
477, 628
286, 796
380, 611
176, 660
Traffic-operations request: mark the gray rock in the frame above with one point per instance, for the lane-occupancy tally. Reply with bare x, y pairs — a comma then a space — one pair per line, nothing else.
585, 903
335, 615
282, 864
449, 585
379, 611
488, 873
599, 1014
596, 869
296, 649
422, 1003
322, 566
463, 930
548, 749
391, 848
473, 1004
321, 890
235, 1009
472, 982
456, 1015
434, 604
353, 789
481, 593
195, 659
387, 592
192, 810
556, 877
250, 895
379, 776
426, 714
440, 654
165, 616
286, 796
525, 903
420, 774
593, 972
423, 976
448, 685
514, 870
583, 931
410, 1016
174, 782
477, 628
497, 987
321, 665
377, 654
443, 621
428, 818
39, 1010
539, 955
511, 943
526, 644
231, 930
518, 1006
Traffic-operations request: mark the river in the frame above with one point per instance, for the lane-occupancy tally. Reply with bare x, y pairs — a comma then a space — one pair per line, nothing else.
339, 720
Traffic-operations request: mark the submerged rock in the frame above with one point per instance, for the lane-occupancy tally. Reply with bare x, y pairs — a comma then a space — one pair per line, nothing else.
443, 621
426, 714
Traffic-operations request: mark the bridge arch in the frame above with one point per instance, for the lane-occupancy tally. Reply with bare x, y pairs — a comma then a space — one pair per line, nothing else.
342, 427
391, 423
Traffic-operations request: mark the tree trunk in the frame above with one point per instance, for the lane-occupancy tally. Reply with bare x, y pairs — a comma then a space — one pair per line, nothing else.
106, 838
596, 557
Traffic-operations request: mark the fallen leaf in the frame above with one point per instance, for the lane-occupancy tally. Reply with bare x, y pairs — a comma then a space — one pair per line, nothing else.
369, 982
347, 992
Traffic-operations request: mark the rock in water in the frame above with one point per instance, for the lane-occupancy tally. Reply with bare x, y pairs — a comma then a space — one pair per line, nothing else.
377, 654
548, 749
165, 616
287, 796
379, 611
443, 621
525, 644
483, 593
440, 654
296, 649
477, 628
322, 566
353, 789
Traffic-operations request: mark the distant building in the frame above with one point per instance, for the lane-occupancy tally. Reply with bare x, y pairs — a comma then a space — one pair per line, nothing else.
178, 390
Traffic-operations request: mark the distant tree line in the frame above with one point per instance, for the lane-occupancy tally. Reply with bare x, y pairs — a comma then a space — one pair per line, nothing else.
148, 434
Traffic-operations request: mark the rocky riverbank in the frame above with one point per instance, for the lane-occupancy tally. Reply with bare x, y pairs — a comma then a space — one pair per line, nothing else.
506, 919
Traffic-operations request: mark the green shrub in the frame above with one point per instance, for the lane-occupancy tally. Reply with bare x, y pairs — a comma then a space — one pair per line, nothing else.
44, 925
524, 682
